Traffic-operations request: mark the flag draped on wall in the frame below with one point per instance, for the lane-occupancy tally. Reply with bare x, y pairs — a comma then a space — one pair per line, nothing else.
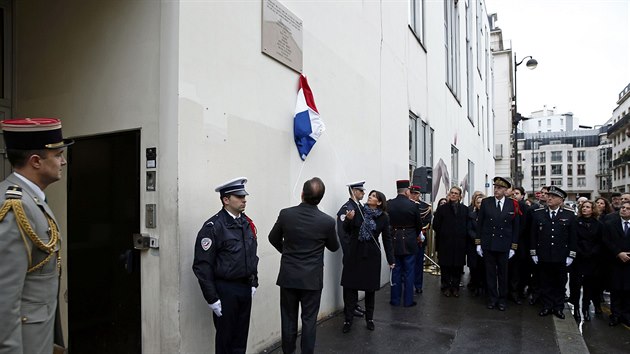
307, 126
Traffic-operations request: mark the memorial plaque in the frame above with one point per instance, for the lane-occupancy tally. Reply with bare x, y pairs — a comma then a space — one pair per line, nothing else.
281, 34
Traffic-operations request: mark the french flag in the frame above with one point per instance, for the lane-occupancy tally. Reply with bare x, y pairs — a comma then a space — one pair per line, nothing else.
307, 127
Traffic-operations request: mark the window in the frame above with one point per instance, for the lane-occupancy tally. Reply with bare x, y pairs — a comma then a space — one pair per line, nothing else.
471, 177
416, 18
543, 170
569, 156
534, 157
535, 171
555, 142
581, 156
556, 170
556, 156
579, 142
454, 165
451, 28
569, 170
548, 122
542, 157
581, 169
539, 123
581, 182
470, 72
570, 182
556, 182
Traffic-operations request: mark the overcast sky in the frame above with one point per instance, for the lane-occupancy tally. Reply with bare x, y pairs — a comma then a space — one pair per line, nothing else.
583, 53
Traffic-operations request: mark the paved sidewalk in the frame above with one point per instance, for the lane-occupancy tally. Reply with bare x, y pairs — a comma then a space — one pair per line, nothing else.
449, 325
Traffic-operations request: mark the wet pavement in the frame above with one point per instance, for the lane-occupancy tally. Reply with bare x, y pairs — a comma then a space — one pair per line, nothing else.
464, 325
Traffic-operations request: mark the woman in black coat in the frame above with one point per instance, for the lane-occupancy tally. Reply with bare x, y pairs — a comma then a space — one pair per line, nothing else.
362, 262
475, 263
450, 223
584, 271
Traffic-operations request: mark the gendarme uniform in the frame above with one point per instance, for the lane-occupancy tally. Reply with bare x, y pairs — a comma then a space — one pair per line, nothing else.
553, 240
226, 266
29, 246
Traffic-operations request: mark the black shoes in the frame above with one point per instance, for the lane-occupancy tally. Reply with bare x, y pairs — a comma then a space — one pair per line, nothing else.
446, 292
490, 306
346, 327
418, 291
501, 307
559, 314
544, 312
369, 324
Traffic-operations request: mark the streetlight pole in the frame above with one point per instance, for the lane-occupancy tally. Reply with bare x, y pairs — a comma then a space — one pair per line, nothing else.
517, 117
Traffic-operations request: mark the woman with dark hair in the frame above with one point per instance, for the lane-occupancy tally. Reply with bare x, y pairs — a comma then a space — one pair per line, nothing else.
442, 201
585, 269
477, 282
362, 264
603, 207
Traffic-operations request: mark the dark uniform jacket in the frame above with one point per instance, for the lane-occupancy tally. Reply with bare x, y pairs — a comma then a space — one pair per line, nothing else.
362, 265
589, 246
553, 240
498, 231
616, 241
225, 249
451, 233
300, 234
471, 253
405, 221
344, 236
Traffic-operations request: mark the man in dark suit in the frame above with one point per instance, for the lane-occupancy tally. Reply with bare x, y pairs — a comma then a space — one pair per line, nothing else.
405, 223
553, 244
300, 234
617, 240
497, 240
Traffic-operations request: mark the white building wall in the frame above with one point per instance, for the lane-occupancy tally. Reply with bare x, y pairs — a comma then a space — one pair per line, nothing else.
620, 141
547, 120
502, 110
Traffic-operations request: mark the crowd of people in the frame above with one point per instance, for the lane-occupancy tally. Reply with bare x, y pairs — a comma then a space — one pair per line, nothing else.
516, 248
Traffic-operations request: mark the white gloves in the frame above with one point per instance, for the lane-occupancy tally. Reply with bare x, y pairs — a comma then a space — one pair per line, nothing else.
479, 251
253, 291
422, 238
511, 254
535, 259
569, 261
216, 307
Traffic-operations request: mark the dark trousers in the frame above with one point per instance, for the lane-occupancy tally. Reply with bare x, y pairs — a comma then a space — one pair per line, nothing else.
450, 276
553, 280
233, 326
588, 285
290, 301
419, 268
403, 273
514, 275
350, 299
620, 305
496, 276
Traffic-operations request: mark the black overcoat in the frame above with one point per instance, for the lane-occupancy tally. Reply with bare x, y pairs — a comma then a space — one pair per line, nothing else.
451, 233
589, 246
362, 264
616, 241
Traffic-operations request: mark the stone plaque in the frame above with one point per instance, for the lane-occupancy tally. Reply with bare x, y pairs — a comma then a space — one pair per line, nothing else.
281, 34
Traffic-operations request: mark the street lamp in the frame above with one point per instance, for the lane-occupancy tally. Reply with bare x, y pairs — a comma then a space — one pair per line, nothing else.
517, 117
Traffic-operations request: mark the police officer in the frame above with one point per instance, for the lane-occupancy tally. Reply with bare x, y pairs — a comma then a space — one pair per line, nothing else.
405, 226
226, 266
553, 247
425, 215
30, 264
357, 192
497, 240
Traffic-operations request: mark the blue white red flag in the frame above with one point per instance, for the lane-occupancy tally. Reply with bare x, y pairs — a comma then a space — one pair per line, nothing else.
307, 126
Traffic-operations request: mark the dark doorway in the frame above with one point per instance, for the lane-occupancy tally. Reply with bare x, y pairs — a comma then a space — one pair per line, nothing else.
103, 267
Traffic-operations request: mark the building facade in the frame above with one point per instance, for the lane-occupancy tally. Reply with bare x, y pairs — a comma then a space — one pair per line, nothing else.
619, 134
547, 120
167, 99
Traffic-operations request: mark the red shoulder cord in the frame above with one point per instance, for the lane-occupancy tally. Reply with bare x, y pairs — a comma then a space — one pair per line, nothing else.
517, 208
251, 226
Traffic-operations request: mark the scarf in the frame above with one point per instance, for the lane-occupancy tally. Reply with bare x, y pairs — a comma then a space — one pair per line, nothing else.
369, 225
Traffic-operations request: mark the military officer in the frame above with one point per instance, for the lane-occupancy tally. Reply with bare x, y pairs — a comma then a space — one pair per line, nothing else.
425, 215
405, 227
30, 264
357, 192
553, 247
497, 240
226, 266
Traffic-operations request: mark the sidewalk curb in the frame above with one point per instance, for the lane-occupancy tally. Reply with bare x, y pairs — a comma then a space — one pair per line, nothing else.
568, 335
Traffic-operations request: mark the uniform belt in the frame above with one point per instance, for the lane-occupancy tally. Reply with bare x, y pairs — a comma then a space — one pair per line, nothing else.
403, 227
246, 280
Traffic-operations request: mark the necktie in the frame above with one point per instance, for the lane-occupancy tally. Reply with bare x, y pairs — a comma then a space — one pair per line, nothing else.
499, 206
625, 227
553, 214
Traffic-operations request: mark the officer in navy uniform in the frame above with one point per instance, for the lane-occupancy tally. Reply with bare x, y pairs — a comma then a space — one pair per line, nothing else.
497, 240
426, 216
226, 266
553, 247
30, 264
405, 221
356, 191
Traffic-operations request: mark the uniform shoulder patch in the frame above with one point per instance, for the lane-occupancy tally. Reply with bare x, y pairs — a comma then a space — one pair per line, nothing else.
13, 192
206, 243
541, 208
